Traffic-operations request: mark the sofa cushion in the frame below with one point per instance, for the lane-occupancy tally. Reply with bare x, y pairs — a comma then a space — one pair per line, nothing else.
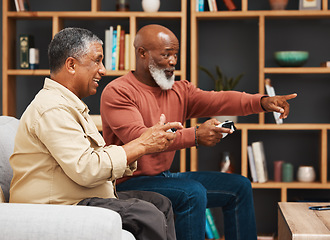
8, 128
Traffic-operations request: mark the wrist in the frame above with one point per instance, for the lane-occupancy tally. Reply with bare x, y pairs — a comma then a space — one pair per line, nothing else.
196, 136
134, 150
261, 102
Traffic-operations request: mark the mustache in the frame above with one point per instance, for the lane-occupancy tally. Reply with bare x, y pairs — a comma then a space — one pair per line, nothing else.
170, 69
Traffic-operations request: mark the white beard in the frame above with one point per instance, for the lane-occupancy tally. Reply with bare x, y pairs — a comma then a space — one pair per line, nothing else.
159, 76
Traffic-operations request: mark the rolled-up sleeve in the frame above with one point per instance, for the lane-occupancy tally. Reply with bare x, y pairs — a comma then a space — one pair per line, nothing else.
119, 165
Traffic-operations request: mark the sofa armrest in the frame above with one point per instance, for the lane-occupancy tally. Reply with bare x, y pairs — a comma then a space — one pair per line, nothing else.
42, 221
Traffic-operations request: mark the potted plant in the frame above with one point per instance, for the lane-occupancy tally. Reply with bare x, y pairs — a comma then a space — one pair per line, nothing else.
223, 83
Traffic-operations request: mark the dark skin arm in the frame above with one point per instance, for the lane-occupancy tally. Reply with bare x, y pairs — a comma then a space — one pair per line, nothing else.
209, 135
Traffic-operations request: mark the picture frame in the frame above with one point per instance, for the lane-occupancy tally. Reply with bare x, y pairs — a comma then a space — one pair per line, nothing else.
310, 4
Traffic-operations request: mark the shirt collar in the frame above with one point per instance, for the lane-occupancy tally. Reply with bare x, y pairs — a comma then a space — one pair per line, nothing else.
67, 94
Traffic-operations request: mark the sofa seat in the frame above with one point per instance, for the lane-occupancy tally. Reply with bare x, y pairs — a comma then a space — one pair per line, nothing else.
46, 221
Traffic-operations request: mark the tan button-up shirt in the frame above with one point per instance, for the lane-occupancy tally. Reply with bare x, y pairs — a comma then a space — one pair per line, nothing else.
59, 155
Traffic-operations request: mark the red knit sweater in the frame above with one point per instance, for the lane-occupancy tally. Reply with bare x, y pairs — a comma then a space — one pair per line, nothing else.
128, 107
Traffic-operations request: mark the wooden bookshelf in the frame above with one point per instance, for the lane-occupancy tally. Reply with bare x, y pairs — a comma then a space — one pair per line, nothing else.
10, 17
245, 129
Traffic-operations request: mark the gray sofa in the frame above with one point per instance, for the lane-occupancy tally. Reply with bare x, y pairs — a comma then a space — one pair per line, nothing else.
43, 221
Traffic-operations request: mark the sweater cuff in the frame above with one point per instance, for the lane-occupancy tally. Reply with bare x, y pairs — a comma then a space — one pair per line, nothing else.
261, 104
189, 134
256, 104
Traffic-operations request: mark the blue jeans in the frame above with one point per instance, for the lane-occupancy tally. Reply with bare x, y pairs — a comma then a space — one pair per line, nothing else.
190, 194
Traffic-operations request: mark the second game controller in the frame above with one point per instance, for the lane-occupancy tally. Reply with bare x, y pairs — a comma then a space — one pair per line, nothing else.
172, 130
227, 124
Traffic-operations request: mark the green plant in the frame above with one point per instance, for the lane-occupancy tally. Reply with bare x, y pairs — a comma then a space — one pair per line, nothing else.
221, 81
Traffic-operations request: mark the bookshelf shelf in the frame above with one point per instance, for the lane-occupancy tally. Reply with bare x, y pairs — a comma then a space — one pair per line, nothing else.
28, 72
262, 13
285, 126
45, 72
300, 70
94, 15
291, 185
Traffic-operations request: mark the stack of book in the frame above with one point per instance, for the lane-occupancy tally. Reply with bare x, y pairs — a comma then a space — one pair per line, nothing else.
257, 162
117, 48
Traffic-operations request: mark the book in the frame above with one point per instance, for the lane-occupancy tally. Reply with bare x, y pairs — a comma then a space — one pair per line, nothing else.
18, 9
118, 46
252, 164
127, 51
210, 220
215, 6
325, 64
210, 5
230, 5
25, 43
107, 50
260, 161
200, 5
24, 5
271, 92
122, 51
197, 5
114, 51
208, 231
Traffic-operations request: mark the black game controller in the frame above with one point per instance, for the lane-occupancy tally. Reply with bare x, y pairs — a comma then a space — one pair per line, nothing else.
227, 124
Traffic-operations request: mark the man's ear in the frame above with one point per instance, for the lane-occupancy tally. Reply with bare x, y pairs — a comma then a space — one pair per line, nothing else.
70, 65
142, 52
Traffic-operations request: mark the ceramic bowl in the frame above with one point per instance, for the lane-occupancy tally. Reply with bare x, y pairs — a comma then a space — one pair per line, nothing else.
291, 58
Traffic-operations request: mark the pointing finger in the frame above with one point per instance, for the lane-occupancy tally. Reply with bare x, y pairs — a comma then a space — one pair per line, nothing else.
290, 96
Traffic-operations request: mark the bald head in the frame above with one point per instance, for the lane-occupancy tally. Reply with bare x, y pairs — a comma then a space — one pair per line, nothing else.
152, 36
156, 52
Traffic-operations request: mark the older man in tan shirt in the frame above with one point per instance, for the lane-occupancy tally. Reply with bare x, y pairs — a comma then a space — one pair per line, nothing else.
61, 158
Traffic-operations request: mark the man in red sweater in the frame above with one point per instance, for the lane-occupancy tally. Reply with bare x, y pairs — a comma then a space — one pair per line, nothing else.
133, 102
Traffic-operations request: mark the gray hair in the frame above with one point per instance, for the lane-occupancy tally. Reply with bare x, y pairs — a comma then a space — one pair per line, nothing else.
69, 42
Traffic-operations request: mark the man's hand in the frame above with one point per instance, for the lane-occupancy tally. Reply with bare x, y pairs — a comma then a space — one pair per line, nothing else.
278, 104
156, 139
208, 134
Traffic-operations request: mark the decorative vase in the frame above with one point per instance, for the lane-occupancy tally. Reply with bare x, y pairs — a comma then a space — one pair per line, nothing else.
278, 4
226, 164
278, 171
287, 172
224, 118
150, 5
306, 174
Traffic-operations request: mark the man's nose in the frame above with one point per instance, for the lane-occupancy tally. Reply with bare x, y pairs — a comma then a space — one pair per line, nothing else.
173, 60
102, 70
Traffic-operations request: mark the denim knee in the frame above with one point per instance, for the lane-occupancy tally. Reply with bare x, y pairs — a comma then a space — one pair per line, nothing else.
244, 186
195, 194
